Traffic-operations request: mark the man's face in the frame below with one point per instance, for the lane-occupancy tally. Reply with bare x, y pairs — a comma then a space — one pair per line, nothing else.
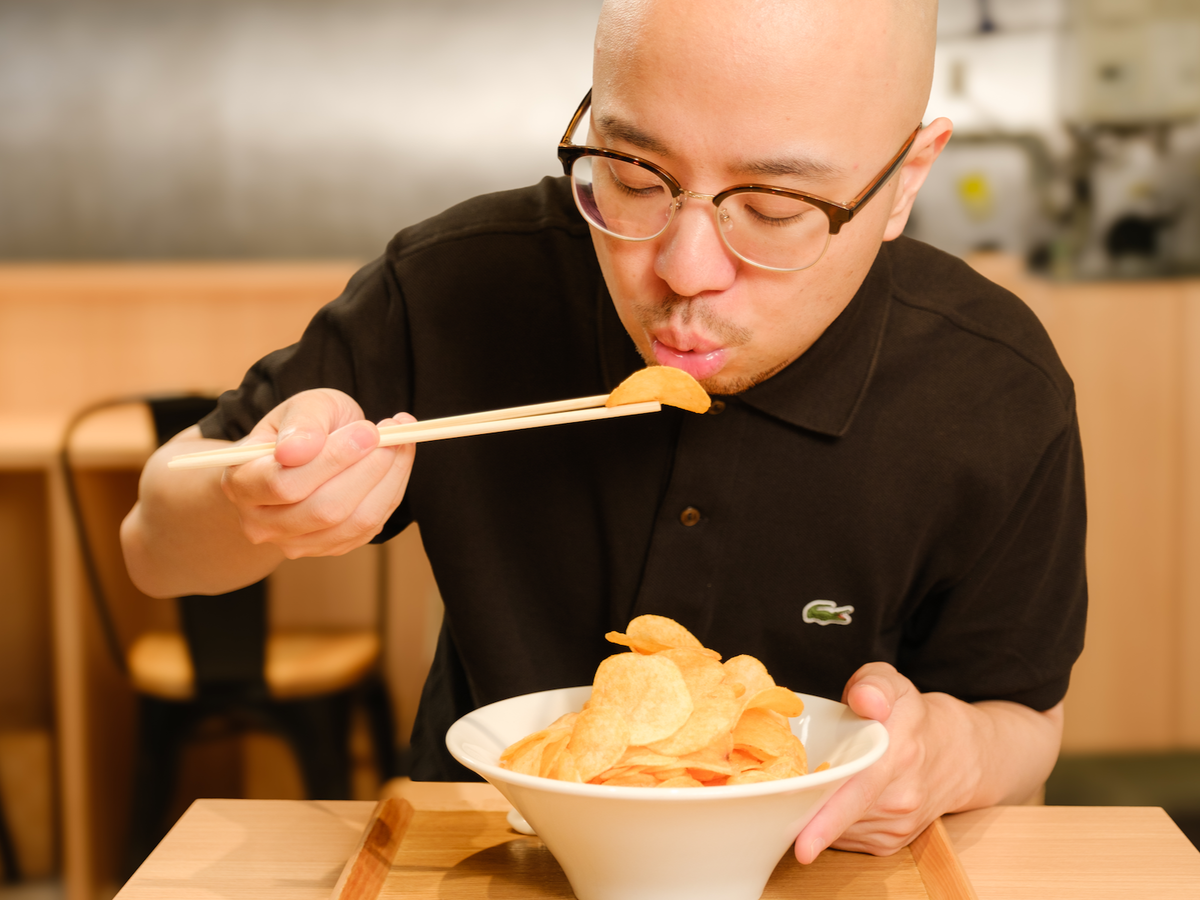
718, 103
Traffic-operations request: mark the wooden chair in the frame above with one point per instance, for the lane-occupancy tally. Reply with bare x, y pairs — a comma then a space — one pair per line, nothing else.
223, 663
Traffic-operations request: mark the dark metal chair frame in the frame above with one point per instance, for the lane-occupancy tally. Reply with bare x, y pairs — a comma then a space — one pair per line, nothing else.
226, 637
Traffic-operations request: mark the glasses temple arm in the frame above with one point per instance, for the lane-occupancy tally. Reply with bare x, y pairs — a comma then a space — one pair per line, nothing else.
566, 138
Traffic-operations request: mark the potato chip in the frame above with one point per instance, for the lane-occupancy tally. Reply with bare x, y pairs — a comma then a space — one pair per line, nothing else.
740, 759
778, 699
564, 767
665, 384
713, 714
748, 671
662, 773
714, 757
525, 756
750, 776
598, 740
783, 767
700, 671
642, 756
760, 735
550, 753
648, 690
633, 779
650, 634
669, 714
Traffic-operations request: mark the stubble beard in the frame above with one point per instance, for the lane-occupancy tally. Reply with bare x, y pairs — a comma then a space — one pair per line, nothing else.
693, 311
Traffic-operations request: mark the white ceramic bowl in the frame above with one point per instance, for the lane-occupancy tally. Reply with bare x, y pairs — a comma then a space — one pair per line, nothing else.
629, 843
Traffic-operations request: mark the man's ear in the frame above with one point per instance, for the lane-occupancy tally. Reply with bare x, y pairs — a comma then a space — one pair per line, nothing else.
925, 149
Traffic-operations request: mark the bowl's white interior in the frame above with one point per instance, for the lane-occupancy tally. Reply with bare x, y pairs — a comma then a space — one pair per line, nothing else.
830, 733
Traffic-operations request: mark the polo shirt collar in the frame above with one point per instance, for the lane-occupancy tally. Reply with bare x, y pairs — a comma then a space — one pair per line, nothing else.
822, 389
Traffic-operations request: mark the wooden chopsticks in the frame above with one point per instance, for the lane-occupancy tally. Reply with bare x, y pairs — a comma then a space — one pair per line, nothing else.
514, 418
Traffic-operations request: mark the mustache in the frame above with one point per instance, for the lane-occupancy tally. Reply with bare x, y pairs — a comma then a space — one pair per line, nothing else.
689, 312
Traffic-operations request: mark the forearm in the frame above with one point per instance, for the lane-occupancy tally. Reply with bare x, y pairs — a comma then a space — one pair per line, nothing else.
998, 752
184, 536
1020, 747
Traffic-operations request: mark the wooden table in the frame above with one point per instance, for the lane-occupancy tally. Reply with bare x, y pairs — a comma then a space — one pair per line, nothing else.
266, 849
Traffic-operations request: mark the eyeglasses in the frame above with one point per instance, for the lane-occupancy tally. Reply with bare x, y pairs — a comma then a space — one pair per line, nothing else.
773, 228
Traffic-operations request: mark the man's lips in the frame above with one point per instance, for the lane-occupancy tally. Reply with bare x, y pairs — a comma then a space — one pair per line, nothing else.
701, 362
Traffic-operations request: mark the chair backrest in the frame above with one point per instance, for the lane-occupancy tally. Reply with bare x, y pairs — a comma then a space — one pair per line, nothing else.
226, 634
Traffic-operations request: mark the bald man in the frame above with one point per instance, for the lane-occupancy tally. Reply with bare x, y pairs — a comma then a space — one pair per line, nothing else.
886, 506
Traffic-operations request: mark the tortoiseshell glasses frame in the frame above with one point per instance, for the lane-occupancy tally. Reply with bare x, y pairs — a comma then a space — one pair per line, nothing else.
838, 214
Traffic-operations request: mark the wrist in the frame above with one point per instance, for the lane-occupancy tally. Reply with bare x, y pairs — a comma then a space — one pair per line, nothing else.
963, 748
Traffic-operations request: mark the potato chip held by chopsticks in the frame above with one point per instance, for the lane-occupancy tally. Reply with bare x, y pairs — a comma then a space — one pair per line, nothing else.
666, 384
670, 714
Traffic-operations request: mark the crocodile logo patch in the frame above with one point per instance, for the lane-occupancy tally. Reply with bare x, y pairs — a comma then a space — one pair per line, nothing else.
826, 612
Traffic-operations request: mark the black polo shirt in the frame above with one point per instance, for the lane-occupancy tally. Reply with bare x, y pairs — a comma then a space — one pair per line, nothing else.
909, 490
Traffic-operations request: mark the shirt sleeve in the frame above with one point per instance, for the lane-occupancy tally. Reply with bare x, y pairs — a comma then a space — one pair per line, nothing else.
342, 347
1013, 626
346, 346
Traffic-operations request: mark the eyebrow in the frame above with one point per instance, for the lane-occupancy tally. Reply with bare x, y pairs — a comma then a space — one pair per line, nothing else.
798, 166
616, 129
806, 167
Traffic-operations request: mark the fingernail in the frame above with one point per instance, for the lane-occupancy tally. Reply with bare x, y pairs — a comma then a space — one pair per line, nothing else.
362, 438
882, 699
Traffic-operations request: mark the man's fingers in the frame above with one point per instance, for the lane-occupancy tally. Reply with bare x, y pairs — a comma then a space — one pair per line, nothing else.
874, 690
348, 511
342, 512
301, 424
299, 442
869, 701
265, 482
852, 800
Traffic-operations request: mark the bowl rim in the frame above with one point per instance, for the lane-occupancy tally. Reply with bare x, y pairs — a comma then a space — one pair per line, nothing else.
875, 730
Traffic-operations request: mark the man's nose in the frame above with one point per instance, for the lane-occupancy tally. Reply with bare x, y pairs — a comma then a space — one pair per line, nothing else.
692, 258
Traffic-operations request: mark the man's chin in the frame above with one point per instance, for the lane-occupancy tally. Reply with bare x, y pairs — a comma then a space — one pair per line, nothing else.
729, 385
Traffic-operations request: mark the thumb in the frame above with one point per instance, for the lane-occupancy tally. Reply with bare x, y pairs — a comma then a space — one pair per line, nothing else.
872, 691
306, 421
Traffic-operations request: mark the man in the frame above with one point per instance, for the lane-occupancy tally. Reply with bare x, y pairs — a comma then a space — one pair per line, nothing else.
888, 506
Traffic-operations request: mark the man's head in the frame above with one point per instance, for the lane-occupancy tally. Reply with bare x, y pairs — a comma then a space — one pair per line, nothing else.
813, 95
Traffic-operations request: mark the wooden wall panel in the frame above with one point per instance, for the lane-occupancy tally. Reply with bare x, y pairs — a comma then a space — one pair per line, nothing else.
1124, 345
1187, 636
74, 333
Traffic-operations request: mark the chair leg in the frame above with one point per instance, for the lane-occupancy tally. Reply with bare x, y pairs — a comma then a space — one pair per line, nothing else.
318, 730
162, 728
378, 706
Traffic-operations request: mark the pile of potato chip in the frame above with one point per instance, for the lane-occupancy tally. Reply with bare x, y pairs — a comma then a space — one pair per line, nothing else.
670, 714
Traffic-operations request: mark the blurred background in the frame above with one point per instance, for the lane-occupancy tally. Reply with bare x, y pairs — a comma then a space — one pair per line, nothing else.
189, 129
170, 167
225, 129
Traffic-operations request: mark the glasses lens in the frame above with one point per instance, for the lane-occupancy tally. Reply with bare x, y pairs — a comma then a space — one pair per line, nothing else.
621, 198
773, 230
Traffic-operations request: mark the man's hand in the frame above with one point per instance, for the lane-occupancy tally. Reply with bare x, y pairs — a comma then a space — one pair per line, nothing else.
328, 488
943, 755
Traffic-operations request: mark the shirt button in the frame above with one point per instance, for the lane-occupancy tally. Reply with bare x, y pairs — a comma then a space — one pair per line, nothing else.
690, 516
717, 407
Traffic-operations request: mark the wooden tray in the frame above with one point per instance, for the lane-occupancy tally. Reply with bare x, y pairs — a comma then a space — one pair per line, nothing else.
464, 855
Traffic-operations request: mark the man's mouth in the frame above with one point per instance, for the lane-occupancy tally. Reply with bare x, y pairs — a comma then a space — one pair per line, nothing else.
700, 362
